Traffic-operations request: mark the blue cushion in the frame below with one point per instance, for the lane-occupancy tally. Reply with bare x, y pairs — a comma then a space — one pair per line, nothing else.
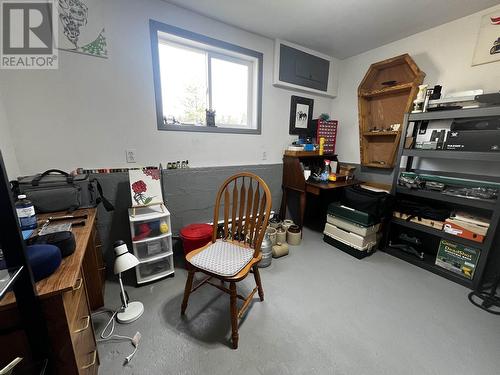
43, 259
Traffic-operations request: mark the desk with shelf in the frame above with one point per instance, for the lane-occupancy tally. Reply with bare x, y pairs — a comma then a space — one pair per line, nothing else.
293, 179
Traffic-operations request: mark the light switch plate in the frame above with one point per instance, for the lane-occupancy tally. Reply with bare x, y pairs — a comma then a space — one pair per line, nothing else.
130, 155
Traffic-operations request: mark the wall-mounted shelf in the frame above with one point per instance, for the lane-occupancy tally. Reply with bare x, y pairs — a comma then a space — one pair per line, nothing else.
384, 96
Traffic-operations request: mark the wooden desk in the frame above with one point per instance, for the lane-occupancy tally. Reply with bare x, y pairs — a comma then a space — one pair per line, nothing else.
67, 298
293, 180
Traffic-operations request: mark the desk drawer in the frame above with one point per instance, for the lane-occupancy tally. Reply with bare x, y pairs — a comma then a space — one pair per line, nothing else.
72, 298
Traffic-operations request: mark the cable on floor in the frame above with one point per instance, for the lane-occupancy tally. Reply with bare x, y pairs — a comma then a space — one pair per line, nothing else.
111, 336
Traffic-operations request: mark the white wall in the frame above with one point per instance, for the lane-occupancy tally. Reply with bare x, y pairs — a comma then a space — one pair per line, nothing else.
90, 110
444, 53
6, 145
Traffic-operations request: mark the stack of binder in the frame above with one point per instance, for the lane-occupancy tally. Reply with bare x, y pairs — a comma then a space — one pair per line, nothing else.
352, 231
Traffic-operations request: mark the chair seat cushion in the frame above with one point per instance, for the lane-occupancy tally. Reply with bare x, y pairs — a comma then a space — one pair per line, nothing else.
223, 258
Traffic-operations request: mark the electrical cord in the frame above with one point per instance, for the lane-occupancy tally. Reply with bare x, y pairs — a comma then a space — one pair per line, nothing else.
112, 336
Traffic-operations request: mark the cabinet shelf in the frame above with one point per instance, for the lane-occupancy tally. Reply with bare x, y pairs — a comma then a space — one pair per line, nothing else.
437, 233
437, 196
386, 90
380, 134
462, 155
380, 105
428, 263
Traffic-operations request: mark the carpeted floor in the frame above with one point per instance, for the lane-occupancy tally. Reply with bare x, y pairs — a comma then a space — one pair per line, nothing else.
324, 313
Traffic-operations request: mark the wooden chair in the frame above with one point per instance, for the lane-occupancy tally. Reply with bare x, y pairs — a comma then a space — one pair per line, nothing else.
232, 257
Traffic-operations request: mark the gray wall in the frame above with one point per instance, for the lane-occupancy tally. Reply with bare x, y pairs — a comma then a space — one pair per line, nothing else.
189, 195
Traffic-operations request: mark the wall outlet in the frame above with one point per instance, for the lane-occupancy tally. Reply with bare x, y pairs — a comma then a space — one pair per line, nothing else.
130, 155
264, 155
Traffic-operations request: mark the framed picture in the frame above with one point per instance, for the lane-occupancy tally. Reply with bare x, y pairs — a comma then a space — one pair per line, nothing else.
488, 40
145, 187
301, 110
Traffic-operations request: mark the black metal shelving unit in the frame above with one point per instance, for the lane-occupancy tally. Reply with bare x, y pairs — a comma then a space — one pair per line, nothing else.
19, 278
491, 208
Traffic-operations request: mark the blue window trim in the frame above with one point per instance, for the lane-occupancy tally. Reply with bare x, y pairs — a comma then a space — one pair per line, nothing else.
154, 27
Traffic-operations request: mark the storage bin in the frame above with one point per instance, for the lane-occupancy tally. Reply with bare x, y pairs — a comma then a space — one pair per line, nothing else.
350, 238
151, 269
195, 236
352, 215
153, 248
352, 227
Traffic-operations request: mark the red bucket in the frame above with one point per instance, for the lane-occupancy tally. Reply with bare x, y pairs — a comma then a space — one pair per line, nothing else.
195, 236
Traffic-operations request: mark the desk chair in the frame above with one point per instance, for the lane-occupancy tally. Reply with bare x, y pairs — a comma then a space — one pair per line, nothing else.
232, 257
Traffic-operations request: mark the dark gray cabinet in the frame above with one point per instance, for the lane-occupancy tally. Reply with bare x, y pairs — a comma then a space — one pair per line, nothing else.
302, 69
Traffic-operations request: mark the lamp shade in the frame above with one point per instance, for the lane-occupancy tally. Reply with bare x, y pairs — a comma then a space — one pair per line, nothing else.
124, 260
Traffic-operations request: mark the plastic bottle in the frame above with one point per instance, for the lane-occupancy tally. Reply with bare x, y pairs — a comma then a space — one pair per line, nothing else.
25, 213
326, 171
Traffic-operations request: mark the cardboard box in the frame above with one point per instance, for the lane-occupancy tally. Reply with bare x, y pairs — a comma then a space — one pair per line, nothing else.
458, 258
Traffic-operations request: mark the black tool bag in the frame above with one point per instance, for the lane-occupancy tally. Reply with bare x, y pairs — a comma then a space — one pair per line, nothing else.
55, 190
377, 204
417, 209
64, 240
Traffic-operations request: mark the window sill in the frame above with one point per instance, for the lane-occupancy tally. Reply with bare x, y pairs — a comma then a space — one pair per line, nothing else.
207, 129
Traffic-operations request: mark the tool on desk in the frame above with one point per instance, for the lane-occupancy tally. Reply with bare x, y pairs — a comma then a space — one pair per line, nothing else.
67, 217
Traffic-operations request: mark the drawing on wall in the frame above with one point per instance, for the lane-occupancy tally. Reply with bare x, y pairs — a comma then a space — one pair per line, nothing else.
81, 25
301, 116
301, 110
145, 187
488, 41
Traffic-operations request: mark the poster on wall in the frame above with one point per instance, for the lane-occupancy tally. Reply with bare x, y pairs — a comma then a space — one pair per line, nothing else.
81, 27
488, 41
145, 187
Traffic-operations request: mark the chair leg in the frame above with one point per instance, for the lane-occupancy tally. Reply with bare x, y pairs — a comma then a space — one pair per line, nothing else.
187, 290
234, 315
256, 275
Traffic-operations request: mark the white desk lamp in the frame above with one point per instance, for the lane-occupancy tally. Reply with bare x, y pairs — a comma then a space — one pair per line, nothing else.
124, 261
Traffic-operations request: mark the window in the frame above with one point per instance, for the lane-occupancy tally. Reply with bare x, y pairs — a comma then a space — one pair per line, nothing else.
204, 84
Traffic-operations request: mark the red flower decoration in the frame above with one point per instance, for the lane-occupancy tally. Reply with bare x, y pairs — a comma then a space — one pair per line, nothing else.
139, 187
153, 172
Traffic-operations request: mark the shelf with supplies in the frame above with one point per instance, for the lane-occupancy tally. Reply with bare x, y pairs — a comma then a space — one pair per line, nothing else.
453, 114
429, 265
438, 196
441, 246
462, 155
151, 234
437, 233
